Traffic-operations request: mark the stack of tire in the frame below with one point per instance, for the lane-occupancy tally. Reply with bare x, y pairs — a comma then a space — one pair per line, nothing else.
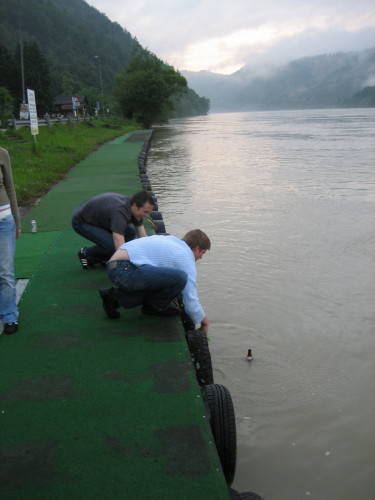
218, 401
155, 215
219, 404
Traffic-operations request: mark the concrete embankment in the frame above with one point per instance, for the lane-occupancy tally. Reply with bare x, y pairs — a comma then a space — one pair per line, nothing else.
91, 407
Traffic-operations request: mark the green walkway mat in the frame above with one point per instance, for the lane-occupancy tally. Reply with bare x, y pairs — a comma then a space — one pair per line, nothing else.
31, 248
112, 168
91, 407
96, 405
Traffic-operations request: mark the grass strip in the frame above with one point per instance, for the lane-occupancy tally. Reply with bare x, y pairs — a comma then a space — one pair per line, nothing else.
58, 148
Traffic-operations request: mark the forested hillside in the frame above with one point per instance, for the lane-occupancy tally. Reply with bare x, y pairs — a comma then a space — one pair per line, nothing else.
83, 50
327, 80
70, 34
321, 81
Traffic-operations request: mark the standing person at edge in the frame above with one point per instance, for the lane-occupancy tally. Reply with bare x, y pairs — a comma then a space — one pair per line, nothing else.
153, 271
9, 231
107, 220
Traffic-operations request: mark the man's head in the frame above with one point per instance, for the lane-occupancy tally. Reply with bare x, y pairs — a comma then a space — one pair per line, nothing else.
141, 204
198, 241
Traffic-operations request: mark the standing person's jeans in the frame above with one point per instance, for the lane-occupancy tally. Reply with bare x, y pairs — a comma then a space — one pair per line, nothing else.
8, 307
148, 285
103, 239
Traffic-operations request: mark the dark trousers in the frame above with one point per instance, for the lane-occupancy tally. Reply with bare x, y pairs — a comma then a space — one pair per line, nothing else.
150, 285
103, 239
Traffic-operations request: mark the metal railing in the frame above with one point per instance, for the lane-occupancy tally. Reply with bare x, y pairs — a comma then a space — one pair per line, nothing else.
47, 122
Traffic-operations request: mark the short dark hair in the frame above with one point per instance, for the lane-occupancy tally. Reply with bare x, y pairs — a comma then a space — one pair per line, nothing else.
141, 198
197, 238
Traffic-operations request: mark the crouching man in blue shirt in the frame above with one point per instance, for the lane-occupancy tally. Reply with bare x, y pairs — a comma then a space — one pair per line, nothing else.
153, 271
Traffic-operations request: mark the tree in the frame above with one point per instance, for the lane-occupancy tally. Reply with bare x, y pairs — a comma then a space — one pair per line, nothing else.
6, 105
189, 103
145, 89
7, 71
37, 75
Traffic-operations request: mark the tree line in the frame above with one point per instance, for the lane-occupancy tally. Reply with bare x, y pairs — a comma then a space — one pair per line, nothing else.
69, 48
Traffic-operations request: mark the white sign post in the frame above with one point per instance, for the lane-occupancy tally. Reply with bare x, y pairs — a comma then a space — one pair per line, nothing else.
33, 114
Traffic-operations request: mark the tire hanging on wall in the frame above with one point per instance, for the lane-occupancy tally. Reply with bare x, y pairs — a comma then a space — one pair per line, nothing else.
160, 227
223, 426
156, 215
201, 357
246, 495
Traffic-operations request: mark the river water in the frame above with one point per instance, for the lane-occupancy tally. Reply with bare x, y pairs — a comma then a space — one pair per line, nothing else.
288, 200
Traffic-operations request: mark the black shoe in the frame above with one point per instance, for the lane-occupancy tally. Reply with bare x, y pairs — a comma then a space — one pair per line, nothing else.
82, 256
171, 310
110, 304
10, 328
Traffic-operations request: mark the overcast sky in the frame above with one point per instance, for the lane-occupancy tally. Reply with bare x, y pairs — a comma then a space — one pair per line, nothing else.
222, 35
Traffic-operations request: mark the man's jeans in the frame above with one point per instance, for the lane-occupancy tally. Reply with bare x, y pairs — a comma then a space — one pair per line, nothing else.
8, 307
149, 285
103, 239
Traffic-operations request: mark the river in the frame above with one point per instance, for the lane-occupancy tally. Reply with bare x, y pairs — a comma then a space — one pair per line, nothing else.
288, 200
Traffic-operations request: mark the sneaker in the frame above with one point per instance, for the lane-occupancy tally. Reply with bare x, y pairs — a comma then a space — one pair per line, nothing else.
82, 256
171, 310
110, 304
10, 328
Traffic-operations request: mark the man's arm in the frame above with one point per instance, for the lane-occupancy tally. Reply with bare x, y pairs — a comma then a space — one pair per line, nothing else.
204, 324
190, 297
9, 187
141, 231
118, 239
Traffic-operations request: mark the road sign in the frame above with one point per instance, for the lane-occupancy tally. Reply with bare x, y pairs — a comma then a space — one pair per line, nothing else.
33, 113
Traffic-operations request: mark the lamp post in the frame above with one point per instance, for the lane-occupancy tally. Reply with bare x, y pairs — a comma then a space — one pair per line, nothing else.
22, 70
100, 79
20, 41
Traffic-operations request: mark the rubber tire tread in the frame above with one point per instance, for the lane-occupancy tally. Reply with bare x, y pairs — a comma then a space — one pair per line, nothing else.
223, 426
246, 495
200, 353
160, 226
234, 495
249, 495
156, 215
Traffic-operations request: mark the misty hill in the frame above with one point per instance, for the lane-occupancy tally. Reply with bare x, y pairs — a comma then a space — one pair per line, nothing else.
343, 79
79, 43
220, 89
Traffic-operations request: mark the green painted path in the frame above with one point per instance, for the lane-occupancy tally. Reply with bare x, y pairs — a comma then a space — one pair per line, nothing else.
92, 408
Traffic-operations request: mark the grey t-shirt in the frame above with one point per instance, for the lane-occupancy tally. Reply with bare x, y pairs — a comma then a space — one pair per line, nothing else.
110, 211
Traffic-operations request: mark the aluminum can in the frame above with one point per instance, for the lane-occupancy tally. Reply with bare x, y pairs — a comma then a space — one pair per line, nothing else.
34, 227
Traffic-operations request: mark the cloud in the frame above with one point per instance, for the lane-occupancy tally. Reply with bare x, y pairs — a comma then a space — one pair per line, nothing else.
370, 82
222, 36
233, 50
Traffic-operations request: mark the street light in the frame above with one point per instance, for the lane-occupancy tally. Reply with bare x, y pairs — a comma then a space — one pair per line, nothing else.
100, 77
20, 41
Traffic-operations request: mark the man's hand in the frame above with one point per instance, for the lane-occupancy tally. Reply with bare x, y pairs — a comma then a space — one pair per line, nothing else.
204, 324
141, 231
18, 232
118, 239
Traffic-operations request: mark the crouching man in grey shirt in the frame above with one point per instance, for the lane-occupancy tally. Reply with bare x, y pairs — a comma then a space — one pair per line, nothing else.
109, 220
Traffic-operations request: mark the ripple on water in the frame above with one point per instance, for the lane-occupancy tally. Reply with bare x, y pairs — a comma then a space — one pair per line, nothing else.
287, 198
